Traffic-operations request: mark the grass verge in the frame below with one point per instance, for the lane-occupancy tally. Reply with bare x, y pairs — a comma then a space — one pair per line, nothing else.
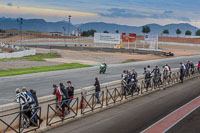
37, 57
129, 61
20, 71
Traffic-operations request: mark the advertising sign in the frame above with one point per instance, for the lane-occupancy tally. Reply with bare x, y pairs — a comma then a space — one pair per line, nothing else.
107, 38
131, 37
151, 38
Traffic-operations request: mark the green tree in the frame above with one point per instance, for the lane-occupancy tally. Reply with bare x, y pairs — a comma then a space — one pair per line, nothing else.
146, 29
198, 33
88, 33
105, 31
117, 31
178, 32
188, 33
166, 31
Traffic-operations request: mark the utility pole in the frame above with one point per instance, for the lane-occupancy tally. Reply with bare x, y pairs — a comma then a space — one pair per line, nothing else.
20, 20
69, 25
64, 34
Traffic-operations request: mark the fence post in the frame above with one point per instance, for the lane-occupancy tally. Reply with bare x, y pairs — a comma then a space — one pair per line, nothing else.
93, 102
106, 96
115, 95
20, 119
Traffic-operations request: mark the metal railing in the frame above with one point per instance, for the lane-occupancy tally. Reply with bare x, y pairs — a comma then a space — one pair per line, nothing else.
67, 109
113, 95
91, 102
25, 118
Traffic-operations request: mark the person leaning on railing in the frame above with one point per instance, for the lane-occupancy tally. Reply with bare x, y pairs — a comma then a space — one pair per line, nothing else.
24, 105
97, 90
59, 97
182, 71
36, 104
70, 90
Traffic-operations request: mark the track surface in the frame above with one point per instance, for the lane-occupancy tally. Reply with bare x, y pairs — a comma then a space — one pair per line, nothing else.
188, 125
138, 114
42, 82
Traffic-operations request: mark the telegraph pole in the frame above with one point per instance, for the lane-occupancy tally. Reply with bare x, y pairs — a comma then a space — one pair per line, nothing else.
69, 24
20, 20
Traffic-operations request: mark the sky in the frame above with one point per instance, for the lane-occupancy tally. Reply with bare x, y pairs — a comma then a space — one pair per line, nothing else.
124, 12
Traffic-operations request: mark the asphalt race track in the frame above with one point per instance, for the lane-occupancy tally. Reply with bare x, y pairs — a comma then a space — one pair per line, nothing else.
137, 115
42, 82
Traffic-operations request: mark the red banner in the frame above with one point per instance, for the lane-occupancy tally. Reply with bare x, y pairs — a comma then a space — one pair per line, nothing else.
131, 37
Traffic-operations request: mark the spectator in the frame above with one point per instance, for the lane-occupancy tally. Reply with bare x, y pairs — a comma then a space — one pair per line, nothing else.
182, 71
64, 91
70, 90
32, 104
199, 66
59, 97
36, 102
65, 96
192, 67
97, 90
21, 99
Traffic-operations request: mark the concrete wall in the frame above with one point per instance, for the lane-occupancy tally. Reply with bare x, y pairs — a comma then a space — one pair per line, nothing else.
81, 47
18, 54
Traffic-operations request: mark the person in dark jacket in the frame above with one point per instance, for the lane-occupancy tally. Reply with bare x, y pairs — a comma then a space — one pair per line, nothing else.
65, 96
37, 103
70, 90
97, 89
182, 72
64, 91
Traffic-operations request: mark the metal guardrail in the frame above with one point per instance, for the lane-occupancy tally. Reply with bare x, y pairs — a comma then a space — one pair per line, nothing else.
91, 102
72, 111
18, 116
113, 95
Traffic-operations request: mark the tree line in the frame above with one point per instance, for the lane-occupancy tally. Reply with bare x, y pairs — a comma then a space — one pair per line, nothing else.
146, 29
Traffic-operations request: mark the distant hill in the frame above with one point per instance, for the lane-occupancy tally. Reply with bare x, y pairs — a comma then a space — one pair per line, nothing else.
34, 25
155, 28
42, 25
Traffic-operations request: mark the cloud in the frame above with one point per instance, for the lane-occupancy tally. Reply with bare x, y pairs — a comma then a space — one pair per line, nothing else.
129, 13
10, 4
125, 13
54, 14
168, 12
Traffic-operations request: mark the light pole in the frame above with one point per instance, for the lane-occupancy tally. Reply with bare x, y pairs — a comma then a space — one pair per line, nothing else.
20, 20
64, 34
69, 24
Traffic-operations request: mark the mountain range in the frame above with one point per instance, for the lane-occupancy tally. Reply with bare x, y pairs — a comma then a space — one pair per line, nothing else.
44, 26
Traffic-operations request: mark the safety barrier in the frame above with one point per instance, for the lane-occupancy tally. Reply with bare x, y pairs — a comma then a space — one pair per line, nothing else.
113, 95
92, 102
20, 117
72, 111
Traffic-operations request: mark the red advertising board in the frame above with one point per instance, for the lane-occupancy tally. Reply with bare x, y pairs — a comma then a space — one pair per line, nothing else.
131, 37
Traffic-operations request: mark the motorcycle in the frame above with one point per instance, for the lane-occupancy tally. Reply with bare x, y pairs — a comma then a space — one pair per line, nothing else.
103, 67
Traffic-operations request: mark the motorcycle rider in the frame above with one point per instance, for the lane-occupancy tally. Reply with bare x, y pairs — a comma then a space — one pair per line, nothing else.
182, 71
192, 67
147, 73
157, 75
166, 71
134, 85
187, 66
